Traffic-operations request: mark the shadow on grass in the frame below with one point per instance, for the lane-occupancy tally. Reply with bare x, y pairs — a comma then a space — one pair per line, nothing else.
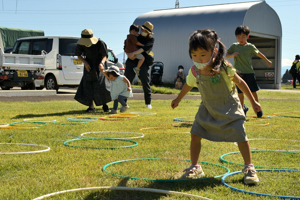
73, 112
168, 186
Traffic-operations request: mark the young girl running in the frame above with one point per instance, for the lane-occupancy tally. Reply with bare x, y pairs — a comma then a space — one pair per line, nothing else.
220, 116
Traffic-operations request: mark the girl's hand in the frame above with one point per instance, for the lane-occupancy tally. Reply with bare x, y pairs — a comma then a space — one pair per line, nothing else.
129, 88
175, 103
101, 67
256, 107
87, 67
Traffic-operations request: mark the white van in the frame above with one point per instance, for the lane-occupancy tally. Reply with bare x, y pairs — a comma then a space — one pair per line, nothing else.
62, 67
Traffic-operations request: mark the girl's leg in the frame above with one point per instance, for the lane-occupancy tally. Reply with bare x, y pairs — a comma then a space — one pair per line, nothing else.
195, 148
244, 148
115, 104
122, 99
249, 170
92, 105
241, 97
195, 170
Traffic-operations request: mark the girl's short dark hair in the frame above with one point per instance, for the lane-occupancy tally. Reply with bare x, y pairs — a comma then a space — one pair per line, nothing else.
207, 39
242, 29
297, 57
134, 27
180, 67
113, 73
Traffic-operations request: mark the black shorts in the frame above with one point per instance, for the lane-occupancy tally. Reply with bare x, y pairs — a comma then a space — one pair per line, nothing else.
251, 82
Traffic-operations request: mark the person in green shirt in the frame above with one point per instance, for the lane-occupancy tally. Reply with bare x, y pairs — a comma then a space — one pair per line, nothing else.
242, 52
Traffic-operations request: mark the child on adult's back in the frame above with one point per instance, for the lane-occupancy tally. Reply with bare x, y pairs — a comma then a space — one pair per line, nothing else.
242, 52
220, 117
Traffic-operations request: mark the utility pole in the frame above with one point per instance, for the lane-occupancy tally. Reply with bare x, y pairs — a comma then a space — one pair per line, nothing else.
177, 4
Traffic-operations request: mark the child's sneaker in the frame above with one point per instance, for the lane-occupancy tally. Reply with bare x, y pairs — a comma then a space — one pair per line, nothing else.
250, 176
149, 106
193, 172
112, 111
246, 110
136, 71
124, 108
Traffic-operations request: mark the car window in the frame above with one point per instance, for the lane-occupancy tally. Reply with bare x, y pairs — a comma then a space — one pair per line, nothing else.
67, 47
38, 46
24, 47
49, 45
111, 57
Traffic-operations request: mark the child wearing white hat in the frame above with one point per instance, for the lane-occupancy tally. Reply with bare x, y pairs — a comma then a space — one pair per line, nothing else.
120, 88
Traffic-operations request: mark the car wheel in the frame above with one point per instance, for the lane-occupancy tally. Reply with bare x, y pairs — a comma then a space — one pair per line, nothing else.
5, 88
51, 83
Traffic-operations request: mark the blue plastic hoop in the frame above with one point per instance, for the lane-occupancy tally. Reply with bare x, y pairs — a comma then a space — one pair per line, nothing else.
226, 161
162, 180
80, 119
254, 193
134, 143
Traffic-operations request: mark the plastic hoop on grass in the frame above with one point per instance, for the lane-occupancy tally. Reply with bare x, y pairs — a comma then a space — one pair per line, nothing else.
17, 127
38, 124
123, 189
39, 120
280, 114
126, 114
3, 125
181, 124
112, 118
140, 134
154, 128
143, 113
264, 167
26, 152
163, 180
118, 147
181, 119
80, 119
271, 140
69, 123
254, 193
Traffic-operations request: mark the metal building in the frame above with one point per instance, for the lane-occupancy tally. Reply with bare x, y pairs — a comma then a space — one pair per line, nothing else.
172, 28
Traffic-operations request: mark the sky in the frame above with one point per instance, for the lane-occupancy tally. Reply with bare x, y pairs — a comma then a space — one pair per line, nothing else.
110, 20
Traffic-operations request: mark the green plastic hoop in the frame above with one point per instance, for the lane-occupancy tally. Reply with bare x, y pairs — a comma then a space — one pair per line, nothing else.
69, 123
140, 135
22, 122
162, 180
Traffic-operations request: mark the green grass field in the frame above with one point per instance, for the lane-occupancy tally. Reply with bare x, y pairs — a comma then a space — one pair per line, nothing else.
28, 176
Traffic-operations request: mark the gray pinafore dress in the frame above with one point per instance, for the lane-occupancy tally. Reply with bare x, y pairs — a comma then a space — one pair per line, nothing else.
220, 116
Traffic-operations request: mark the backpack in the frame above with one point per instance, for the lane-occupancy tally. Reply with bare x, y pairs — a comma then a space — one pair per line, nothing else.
293, 69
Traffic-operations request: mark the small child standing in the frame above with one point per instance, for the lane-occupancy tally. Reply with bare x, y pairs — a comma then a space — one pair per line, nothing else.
120, 88
180, 77
220, 117
131, 45
242, 52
